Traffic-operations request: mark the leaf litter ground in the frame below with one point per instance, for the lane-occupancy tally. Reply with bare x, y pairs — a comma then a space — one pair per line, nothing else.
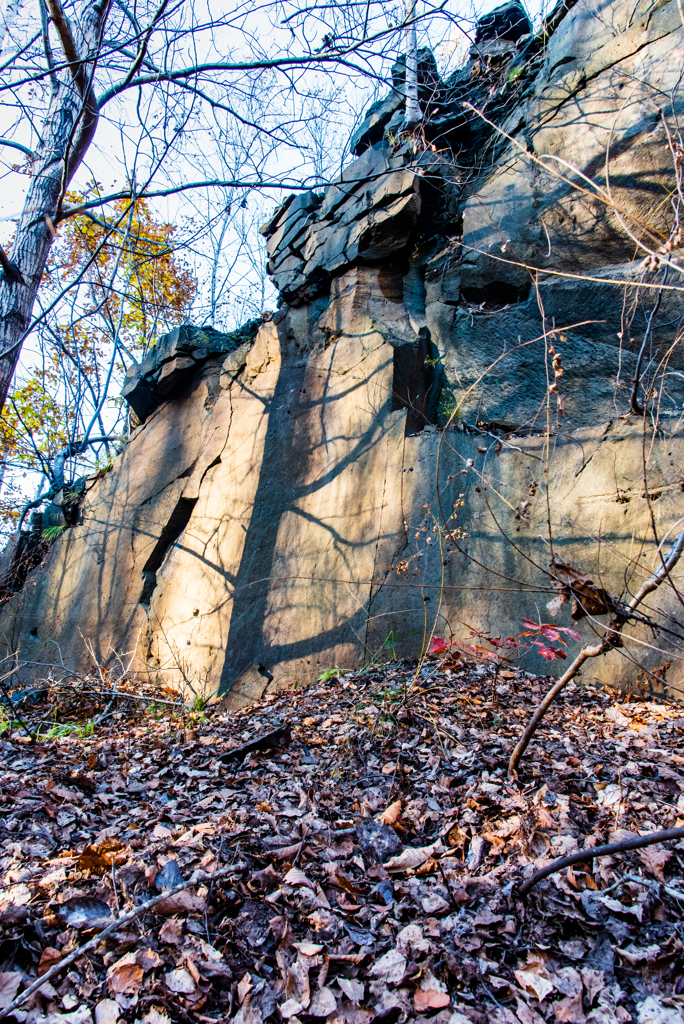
372, 859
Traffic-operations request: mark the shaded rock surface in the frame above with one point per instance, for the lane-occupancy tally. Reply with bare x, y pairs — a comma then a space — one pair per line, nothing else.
509, 21
278, 510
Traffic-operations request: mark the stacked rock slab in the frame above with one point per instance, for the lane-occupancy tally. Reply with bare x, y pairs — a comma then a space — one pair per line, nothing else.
173, 361
369, 214
282, 507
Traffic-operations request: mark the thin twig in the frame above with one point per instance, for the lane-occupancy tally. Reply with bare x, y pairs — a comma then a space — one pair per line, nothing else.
114, 926
600, 851
301, 846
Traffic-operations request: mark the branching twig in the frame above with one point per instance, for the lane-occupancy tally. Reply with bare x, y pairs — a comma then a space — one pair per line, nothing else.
600, 851
114, 926
611, 638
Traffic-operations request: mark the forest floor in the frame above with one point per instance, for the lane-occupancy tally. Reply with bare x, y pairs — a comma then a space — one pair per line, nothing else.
366, 865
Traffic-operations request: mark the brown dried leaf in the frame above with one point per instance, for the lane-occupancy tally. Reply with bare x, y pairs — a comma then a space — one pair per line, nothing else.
196, 977
655, 859
525, 1013
297, 877
100, 856
48, 958
125, 979
285, 852
183, 902
431, 994
9, 986
322, 1003
594, 982
171, 931
391, 815
181, 982
570, 1009
413, 857
148, 959
390, 968
587, 598
107, 1011
535, 978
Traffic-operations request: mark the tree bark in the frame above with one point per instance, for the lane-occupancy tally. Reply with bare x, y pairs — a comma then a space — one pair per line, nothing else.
412, 109
66, 133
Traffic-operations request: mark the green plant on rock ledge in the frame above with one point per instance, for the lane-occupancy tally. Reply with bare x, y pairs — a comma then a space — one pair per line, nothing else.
51, 533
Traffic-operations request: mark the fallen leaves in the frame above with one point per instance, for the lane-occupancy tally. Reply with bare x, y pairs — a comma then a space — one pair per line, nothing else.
9, 986
48, 958
655, 858
535, 978
101, 856
171, 932
390, 968
107, 1011
431, 994
84, 912
184, 902
391, 815
125, 977
413, 857
353, 892
180, 981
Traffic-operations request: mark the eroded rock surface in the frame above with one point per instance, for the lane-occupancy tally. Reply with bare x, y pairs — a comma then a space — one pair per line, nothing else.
274, 513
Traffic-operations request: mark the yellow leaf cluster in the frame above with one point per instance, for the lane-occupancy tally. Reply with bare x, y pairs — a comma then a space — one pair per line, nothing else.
125, 281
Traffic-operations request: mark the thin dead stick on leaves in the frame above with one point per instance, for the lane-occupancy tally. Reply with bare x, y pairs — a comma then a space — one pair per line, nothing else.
114, 926
612, 638
637, 843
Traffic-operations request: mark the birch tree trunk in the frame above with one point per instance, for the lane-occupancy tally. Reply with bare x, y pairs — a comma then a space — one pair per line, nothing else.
66, 133
413, 113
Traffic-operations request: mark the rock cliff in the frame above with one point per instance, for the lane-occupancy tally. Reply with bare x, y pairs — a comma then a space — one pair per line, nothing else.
273, 513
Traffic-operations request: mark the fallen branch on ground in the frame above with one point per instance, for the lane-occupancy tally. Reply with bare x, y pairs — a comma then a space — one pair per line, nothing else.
279, 737
612, 638
114, 926
599, 851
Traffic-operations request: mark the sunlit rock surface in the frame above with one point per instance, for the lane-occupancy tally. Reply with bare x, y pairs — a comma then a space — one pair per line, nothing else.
274, 513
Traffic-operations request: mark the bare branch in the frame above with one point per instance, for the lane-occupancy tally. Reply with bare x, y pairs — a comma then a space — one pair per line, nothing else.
113, 927
638, 843
66, 38
611, 638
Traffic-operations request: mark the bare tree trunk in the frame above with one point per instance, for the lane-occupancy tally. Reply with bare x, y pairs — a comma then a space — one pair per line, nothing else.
413, 112
66, 133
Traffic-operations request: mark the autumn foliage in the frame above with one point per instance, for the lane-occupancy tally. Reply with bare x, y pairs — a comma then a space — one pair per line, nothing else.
115, 286
492, 647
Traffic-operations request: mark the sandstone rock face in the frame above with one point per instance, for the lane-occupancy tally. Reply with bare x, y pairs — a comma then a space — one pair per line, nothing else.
173, 361
293, 502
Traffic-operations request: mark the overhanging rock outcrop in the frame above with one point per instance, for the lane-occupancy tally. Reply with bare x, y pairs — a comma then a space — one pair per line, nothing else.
292, 500
175, 360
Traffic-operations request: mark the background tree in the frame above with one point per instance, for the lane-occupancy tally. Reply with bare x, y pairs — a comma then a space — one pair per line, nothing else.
163, 102
135, 287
